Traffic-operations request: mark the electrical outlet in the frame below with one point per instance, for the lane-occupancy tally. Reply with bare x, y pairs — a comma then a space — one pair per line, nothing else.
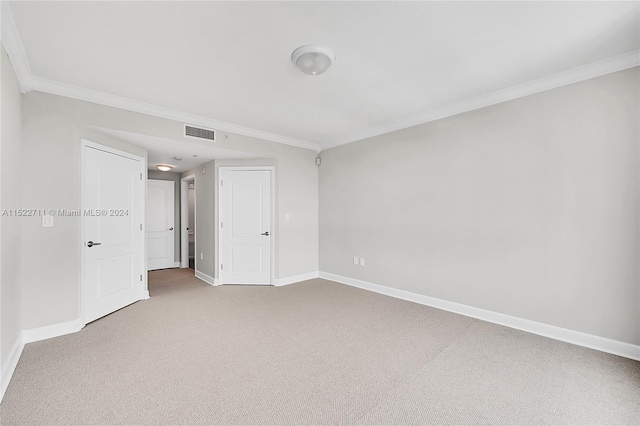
362, 261
201, 256
355, 260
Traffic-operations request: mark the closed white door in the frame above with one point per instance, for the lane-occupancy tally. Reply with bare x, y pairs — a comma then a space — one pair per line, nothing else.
245, 227
113, 213
160, 224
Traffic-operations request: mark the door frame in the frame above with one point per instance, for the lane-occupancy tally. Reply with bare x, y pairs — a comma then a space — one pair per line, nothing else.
184, 220
272, 213
144, 287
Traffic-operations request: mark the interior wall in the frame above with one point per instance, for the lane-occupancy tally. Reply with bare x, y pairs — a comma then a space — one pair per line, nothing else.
11, 173
528, 208
175, 177
52, 128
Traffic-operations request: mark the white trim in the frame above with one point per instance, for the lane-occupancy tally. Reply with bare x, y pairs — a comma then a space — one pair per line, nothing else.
593, 70
603, 344
9, 365
271, 169
206, 278
50, 331
278, 282
15, 49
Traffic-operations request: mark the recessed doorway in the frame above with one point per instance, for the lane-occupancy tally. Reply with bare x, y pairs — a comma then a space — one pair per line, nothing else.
188, 222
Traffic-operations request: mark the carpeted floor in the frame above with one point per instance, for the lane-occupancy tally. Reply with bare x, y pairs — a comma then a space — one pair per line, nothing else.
315, 352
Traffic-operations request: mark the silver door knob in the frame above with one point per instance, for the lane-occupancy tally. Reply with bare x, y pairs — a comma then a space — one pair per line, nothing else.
171, 229
266, 234
91, 244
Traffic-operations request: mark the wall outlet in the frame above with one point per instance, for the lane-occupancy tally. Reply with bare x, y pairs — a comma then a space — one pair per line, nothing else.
287, 217
201, 256
362, 261
355, 260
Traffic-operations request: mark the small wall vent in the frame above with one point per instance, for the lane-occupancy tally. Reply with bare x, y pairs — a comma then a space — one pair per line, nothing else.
199, 133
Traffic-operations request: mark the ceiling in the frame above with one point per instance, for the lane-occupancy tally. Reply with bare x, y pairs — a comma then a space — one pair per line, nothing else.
397, 63
165, 151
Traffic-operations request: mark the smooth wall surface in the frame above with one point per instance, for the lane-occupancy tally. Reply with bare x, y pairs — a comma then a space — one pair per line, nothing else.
528, 208
11, 173
52, 129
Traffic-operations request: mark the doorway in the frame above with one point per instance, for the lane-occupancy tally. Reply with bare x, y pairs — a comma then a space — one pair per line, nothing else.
188, 222
246, 232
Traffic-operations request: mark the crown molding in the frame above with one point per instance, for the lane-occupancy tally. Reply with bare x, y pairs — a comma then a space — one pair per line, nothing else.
94, 96
596, 69
29, 82
13, 45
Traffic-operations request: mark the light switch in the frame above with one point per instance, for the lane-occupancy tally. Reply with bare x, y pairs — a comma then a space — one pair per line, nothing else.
355, 260
362, 261
287, 217
47, 221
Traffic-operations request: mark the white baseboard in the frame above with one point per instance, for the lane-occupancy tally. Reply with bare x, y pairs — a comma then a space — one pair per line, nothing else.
9, 365
206, 278
50, 331
295, 279
603, 344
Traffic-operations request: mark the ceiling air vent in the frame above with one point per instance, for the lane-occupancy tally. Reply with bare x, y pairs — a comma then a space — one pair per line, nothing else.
199, 133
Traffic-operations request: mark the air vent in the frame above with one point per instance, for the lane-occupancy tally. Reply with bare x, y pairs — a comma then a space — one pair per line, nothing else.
199, 133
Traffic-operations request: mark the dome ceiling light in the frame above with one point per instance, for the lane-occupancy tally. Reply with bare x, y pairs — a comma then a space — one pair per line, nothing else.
313, 59
164, 167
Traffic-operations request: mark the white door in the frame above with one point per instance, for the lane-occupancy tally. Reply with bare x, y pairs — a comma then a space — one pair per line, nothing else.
245, 226
113, 214
160, 224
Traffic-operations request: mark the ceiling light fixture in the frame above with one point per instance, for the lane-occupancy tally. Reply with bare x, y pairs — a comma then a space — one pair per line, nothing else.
313, 59
164, 167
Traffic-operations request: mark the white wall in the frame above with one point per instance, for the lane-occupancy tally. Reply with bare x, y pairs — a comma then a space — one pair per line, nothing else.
52, 128
528, 208
11, 174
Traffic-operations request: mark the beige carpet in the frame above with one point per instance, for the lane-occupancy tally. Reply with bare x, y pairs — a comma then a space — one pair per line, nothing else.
315, 352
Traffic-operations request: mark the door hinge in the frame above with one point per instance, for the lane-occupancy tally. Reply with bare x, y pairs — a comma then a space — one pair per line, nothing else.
140, 277
141, 227
221, 266
221, 182
221, 225
140, 176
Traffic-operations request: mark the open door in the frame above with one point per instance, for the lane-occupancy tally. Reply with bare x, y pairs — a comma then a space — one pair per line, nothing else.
113, 206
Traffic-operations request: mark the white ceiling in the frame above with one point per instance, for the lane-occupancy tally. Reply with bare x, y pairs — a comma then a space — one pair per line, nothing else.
398, 63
